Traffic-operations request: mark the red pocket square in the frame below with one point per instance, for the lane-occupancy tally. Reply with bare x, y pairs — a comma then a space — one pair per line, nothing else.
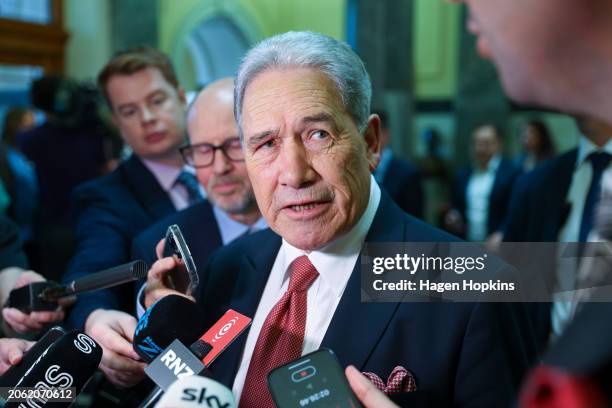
400, 380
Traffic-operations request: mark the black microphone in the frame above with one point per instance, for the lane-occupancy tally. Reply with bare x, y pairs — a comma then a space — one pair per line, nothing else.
60, 372
178, 361
173, 317
44, 295
13, 374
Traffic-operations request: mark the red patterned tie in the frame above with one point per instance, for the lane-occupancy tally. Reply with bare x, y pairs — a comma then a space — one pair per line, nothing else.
281, 337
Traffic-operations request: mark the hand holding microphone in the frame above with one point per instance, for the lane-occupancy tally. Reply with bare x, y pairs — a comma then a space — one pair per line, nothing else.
46, 295
59, 361
157, 278
114, 330
11, 352
18, 322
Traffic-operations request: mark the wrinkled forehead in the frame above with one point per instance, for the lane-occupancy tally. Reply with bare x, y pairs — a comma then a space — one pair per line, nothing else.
290, 91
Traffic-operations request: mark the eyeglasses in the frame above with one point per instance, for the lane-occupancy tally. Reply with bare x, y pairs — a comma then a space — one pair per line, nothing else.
203, 154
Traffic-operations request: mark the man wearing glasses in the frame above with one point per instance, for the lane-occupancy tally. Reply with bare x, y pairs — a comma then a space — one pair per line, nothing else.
149, 108
216, 154
231, 211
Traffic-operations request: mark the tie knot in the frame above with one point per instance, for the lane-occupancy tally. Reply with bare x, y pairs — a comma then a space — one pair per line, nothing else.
599, 161
302, 274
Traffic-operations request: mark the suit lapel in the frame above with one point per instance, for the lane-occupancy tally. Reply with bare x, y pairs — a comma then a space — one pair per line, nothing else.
143, 184
254, 272
498, 180
558, 194
357, 327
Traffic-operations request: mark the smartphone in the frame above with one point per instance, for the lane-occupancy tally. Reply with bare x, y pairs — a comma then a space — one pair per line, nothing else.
315, 380
184, 278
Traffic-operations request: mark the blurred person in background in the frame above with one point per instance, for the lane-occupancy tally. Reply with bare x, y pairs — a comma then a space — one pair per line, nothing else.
149, 108
552, 204
540, 50
18, 175
482, 191
537, 144
398, 177
69, 148
14, 273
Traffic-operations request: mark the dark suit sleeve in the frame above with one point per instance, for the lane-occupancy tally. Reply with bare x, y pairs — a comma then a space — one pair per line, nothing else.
103, 242
517, 218
413, 197
404, 184
458, 191
143, 247
497, 349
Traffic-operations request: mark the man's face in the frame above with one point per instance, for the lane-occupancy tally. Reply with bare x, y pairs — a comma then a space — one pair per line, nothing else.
527, 41
486, 144
226, 182
149, 112
309, 164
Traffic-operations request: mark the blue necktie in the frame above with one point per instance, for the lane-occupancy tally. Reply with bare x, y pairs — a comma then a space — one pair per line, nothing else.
190, 182
599, 162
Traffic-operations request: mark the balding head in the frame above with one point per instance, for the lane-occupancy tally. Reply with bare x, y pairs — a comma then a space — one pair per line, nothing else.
210, 109
210, 124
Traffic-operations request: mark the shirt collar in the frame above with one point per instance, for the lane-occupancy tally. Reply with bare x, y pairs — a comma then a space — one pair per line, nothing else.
586, 147
165, 174
231, 229
330, 260
493, 164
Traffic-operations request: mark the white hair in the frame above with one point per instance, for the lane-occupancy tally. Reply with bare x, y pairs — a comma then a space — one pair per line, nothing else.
305, 49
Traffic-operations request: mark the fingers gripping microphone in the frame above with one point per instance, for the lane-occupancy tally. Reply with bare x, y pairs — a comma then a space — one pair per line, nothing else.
196, 391
13, 374
44, 295
171, 318
67, 363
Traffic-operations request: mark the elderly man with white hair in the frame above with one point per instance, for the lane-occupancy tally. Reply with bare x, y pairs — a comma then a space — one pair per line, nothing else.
302, 103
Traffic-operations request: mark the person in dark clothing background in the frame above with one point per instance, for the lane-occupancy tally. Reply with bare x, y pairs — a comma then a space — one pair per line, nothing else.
72, 146
18, 175
482, 191
401, 179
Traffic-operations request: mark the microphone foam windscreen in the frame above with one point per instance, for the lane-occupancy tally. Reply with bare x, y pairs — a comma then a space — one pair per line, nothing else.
196, 391
13, 374
68, 363
171, 318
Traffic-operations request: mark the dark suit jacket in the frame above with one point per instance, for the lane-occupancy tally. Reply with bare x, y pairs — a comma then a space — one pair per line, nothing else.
403, 183
198, 226
537, 212
505, 176
538, 208
11, 251
462, 354
110, 211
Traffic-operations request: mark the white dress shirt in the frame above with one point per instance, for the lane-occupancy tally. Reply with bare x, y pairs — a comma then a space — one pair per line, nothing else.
231, 229
579, 188
334, 262
166, 176
478, 192
562, 311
